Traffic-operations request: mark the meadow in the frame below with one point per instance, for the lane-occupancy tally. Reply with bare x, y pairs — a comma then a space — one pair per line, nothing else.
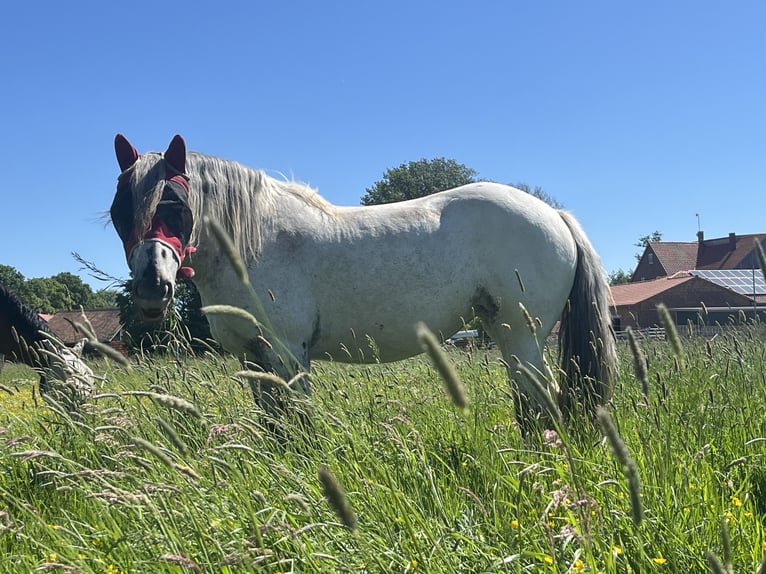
171, 467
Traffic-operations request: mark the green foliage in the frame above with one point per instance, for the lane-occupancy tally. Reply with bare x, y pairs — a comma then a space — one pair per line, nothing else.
644, 241
11, 277
184, 321
418, 179
61, 292
539, 193
172, 467
619, 277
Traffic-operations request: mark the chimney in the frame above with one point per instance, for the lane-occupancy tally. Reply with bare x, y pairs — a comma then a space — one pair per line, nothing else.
700, 236
732, 241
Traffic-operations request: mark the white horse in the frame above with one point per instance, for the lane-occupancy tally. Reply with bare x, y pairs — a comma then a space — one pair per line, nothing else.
350, 283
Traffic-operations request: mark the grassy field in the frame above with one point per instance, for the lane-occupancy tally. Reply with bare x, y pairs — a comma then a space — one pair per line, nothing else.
169, 468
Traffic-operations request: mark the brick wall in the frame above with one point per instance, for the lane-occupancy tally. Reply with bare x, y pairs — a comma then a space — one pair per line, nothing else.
687, 294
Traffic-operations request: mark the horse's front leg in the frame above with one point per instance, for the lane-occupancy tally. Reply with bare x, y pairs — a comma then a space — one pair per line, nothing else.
289, 363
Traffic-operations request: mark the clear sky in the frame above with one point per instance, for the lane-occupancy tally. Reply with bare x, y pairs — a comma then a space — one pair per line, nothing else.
635, 115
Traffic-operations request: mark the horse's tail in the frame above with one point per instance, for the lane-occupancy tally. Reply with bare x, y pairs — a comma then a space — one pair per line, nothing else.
587, 347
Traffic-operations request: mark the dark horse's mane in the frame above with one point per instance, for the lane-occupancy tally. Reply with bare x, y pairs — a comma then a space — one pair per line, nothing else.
15, 315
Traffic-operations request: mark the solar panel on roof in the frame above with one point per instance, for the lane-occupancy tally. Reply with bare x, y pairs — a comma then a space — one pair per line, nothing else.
743, 281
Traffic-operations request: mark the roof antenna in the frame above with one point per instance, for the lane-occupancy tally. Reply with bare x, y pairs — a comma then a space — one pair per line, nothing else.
699, 228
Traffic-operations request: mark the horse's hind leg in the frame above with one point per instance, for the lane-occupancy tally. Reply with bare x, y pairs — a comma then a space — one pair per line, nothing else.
519, 346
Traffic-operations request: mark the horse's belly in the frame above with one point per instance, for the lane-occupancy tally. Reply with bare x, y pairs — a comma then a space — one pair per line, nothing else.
384, 337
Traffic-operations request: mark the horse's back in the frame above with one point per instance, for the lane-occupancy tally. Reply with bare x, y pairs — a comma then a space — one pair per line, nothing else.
434, 259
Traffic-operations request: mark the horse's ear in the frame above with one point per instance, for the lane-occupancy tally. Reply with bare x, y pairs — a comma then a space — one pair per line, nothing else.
126, 153
176, 154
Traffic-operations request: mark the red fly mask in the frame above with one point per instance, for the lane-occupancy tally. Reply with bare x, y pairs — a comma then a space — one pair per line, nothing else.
172, 221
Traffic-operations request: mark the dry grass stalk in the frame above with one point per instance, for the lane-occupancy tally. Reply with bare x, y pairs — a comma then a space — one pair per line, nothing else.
228, 248
336, 498
171, 433
518, 278
108, 352
154, 450
231, 311
716, 566
175, 403
629, 468
452, 382
541, 391
639, 361
672, 334
528, 318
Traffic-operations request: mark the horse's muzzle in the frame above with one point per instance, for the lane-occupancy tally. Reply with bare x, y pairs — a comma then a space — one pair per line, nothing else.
154, 272
153, 298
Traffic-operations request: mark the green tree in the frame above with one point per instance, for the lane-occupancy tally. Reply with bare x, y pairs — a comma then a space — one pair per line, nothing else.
11, 278
79, 292
539, 193
45, 295
418, 179
189, 305
619, 277
644, 241
102, 299
184, 321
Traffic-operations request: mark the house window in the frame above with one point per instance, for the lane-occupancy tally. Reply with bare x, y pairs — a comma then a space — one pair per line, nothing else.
650, 258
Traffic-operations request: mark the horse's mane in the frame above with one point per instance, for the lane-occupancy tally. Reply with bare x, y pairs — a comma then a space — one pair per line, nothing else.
243, 200
14, 314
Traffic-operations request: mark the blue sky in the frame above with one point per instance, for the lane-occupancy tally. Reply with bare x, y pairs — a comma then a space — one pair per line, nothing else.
636, 116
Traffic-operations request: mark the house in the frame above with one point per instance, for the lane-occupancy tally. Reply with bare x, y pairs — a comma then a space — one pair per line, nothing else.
666, 258
687, 297
105, 322
711, 281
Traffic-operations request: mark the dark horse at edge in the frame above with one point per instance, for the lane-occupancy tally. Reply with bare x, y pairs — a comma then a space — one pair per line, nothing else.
26, 338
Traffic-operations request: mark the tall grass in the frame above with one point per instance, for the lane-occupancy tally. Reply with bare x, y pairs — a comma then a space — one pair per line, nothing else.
171, 467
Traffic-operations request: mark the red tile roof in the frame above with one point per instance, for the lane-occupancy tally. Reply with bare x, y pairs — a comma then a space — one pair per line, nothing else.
634, 293
675, 256
105, 322
728, 252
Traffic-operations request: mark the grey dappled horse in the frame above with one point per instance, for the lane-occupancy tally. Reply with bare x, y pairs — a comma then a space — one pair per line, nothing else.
331, 278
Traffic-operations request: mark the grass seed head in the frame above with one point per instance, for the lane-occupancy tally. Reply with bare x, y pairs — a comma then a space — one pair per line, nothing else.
336, 498
231, 311
446, 370
225, 242
629, 468
639, 361
672, 334
171, 433
154, 450
716, 566
528, 318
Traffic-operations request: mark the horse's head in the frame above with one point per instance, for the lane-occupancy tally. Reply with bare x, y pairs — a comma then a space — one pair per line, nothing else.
152, 216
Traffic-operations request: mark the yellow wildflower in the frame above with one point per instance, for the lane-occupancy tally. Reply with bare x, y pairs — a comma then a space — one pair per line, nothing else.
578, 566
736, 501
659, 560
548, 560
616, 550
514, 523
